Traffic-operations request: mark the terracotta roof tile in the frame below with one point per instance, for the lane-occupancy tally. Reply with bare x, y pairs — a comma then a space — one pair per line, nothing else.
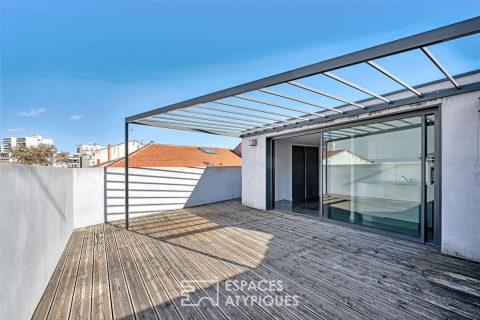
164, 155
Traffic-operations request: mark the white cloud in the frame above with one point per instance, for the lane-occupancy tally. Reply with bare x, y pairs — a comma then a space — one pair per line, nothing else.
75, 117
32, 113
15, 129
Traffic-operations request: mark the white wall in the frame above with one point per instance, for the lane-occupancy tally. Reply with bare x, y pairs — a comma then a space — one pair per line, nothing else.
217, 184
40, 207
283, 166
88, 196
194, 185
37, 220
253, 173
460, 168
461, 176
283, 170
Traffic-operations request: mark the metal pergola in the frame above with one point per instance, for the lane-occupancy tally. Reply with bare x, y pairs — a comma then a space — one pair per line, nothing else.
244, 115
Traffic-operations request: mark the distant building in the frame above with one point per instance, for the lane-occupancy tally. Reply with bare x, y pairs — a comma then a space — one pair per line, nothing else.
9, 143
86, 153
91, 155
344, 157
74, 160
86, 148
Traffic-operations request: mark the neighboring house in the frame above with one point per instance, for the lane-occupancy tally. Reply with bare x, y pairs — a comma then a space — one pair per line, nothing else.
238, 149
92, 155
344, 157
166, 155
165, 177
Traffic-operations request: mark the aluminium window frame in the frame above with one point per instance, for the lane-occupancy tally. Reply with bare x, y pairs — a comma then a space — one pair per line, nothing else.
434, 109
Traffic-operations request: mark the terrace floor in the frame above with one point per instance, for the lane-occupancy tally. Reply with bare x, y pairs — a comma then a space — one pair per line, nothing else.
332, 272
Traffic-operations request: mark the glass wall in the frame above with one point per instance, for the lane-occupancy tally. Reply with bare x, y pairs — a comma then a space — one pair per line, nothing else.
430, 178
372, 175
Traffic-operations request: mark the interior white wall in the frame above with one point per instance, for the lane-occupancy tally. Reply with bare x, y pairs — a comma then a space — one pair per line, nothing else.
283, 163
283, 170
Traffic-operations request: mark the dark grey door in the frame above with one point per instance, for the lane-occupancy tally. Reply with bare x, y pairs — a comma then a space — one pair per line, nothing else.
298, 173
311, 172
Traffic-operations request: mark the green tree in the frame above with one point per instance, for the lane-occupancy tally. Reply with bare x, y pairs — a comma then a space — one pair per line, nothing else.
43, 154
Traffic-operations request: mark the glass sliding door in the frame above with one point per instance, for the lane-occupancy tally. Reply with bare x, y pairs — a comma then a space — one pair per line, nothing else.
372, 175
430, 178
297, 174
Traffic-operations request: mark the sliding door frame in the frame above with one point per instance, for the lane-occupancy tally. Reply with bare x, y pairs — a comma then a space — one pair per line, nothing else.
435, 110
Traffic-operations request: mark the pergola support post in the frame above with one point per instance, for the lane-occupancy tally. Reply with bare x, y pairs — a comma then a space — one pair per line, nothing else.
126, 176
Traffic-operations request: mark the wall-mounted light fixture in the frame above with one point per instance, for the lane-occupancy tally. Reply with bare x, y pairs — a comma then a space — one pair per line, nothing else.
252, 143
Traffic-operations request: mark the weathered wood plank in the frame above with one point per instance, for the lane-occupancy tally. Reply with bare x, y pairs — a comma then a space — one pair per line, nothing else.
107, 272
121, 303
63, 297
142, 304
162, 304
101, 305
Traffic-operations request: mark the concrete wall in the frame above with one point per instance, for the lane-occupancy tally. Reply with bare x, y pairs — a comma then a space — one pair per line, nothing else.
253, 173
217, 184
461, 176
460, 167
88, 197
37, 219
40, 207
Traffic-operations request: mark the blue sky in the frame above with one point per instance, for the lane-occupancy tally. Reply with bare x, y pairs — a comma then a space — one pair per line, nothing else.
73, 70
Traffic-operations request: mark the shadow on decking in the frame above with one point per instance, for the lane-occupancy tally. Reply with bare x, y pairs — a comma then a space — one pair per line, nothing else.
336, 272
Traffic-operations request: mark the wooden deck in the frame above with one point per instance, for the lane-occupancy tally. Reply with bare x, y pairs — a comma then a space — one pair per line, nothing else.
334, 272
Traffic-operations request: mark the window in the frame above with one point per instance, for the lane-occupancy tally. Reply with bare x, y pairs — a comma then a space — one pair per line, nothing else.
372, 175
208, 150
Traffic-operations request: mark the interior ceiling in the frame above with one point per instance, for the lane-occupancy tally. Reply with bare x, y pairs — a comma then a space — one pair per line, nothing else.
298, 97
311, 140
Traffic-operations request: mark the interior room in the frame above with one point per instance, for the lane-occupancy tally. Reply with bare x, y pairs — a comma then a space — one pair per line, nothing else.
369, 175
297, 174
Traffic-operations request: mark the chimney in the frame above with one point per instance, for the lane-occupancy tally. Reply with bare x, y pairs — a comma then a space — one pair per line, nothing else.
109, 152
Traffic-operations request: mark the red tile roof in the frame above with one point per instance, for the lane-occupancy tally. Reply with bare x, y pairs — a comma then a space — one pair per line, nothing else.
165, 155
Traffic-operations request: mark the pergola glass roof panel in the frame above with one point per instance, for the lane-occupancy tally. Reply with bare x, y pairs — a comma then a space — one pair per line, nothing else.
343, 86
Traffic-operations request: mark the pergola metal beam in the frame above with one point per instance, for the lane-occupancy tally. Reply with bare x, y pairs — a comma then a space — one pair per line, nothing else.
393, 77
223, 116
165, 117
184, 128
424, 39
323, 93
241, 113
196, 125
355, 86
200, 127
382, 106
439, 66
204, 118
225, 103
273, 104
285, 96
